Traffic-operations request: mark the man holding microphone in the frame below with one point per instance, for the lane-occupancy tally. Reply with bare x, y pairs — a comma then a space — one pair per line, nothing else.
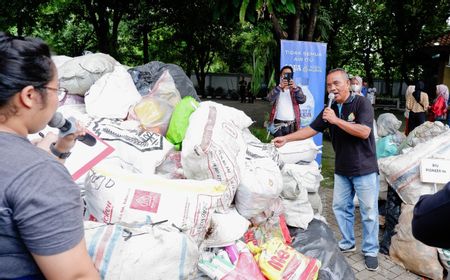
350, 123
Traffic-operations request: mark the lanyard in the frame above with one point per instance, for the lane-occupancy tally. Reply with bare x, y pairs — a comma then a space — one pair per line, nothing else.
340, 109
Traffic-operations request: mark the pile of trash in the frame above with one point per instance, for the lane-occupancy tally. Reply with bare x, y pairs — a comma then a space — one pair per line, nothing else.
189, 192
402, 173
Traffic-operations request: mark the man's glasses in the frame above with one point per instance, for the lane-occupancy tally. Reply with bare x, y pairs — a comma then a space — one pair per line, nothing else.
62, 92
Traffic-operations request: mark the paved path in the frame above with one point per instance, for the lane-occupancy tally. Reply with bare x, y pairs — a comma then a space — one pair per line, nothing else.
387, 269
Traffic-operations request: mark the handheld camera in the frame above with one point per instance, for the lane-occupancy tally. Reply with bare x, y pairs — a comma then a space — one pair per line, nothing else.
287, 76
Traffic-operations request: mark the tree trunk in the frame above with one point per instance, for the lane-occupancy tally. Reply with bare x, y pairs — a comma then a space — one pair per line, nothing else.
368, 67
145, 32
312, 19
278, 30
294, 27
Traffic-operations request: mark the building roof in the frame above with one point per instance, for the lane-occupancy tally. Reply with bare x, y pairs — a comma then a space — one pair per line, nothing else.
443, 41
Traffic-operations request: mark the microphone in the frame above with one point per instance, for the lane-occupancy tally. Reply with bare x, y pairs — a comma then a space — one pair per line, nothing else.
331, 97
68, 126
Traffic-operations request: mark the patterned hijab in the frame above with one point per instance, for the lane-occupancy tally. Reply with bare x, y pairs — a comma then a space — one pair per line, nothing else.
442, 90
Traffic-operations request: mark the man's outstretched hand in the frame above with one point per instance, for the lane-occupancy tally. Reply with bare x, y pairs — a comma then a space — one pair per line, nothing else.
279, 141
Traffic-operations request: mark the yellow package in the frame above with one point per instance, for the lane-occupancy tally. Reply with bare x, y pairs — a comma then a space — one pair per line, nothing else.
280, 261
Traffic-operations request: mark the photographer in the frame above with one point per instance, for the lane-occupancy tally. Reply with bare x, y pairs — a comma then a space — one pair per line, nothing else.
285, 114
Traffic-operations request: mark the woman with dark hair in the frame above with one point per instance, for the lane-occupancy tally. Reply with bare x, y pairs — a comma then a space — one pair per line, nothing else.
417, 103
41, 225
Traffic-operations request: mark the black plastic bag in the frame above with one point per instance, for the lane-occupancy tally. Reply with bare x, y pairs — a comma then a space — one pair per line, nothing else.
393, 210
145, 76
318, 242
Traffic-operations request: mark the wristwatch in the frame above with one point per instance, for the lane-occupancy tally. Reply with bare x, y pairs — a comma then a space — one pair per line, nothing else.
57, 153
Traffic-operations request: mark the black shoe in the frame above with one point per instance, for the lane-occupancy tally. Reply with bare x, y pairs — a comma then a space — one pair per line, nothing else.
351, 249
371, 263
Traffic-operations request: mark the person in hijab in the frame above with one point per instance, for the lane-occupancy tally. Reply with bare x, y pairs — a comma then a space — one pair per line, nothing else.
417, 104
439, 107
356, 85
408, 94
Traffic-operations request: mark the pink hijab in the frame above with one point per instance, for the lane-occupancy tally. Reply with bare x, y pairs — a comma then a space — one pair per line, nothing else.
442, 90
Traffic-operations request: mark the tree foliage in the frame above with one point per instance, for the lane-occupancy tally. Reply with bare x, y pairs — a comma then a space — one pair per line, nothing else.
374, 38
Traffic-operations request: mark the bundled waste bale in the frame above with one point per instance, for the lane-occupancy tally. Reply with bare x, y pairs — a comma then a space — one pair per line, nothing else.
423, 133
316, 202
171, 167
302, 151
298, 212
258, 149
298, 176
389, 136
112, 95
59, 60
402, 171
116, 195
155, 109
145, 77
261, 184
214, 148
142, 151
444, 257
80, 73
221, 233
141, 252
410, 253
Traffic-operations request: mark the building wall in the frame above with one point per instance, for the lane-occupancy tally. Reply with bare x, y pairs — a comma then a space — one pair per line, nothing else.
446, 78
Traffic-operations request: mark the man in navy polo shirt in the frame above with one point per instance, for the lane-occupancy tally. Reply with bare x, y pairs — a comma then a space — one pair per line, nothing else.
350, 122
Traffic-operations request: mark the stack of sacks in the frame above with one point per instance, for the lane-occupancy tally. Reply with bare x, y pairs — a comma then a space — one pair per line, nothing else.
421, 134
402, 171
146, 180
301, 176
387, 144
301, 183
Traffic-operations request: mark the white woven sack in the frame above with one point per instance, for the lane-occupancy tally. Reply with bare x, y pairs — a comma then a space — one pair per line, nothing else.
80, 73
143, 150
261, 184
402, 172
116, 195
213, 146
316, 202
59, 60
225, 229
299, 151
146, 252
298, 212
306, 176
112, 95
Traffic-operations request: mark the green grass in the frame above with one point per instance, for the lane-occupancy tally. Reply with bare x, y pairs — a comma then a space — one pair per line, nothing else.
327, 164
261, 134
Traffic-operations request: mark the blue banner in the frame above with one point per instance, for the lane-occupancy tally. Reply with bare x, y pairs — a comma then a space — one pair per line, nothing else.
308, 59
